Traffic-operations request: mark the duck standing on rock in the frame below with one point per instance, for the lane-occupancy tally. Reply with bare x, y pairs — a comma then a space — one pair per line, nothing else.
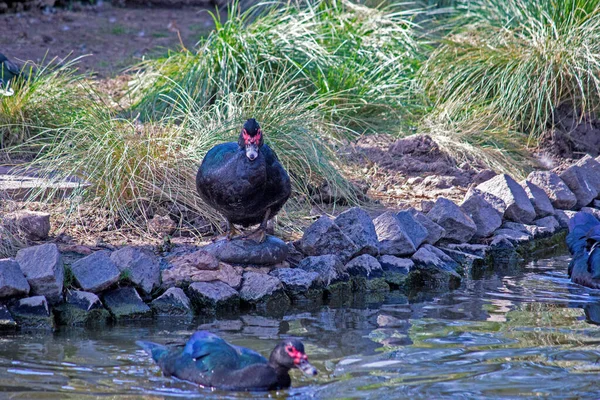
584, 244
8, 71
244, 181
210, 361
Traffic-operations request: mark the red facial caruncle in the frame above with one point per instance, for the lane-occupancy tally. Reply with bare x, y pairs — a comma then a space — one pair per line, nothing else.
251, 139
298, 356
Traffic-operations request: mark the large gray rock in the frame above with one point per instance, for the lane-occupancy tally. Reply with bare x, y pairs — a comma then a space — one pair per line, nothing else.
199, 259
486, 217
591, 168
325, 237
186, 273
539, 199
240, 251
514, 236
393, 239
549, 223
436, 267
33, 225
32, 312
329, 267
210, 297
43, 267
466, 260
297, 281
95, 272
81, 308
173, 302
6, 320
558, 192
412, 227
479, 250
359, 228
140, 266
458, 225
395, 269
12, 280
564, 217
258, 287
365, 265
518, 206
434, 231
577, 179
125, 303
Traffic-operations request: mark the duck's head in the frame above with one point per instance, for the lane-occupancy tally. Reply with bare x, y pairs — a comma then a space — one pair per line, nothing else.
251, 139
290, 354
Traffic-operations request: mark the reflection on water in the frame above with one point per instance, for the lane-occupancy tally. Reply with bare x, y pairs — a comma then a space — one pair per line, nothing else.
524, 333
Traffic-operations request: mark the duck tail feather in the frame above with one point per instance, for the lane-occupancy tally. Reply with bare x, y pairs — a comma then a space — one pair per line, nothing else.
157, 351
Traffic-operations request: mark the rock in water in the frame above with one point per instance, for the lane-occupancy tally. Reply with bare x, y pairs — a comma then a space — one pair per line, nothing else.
12, 280
81, 308
238, 251
325, 237
126, 303
32, 312
173, 302
212, 297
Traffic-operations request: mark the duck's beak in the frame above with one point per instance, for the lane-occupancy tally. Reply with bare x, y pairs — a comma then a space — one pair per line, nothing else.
251, 151
307, 368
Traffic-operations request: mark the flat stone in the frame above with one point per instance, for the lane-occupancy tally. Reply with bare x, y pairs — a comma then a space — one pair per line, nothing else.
140, 266
260, 287
479, 250
210, 297
43, 267
550, 223
6, 320
465, 260
412, 227
240, 251
514, 236
434, 231
564, 217
32, 312
558, 192
393, 239
12, 280
458, 225
486, 217
199, 259
96, 272
173, 302
329, 267
518, 206
33, 225
297, 281
435, 266
395, 269
359, 228
185, 274
125, 303
576, 178
539, 199
365, 266
325, 237
81, 308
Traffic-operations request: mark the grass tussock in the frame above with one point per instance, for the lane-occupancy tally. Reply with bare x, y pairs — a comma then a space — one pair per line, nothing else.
522, 58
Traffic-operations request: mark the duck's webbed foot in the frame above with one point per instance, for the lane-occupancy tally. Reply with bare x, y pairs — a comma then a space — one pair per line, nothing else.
260, 234
231, 233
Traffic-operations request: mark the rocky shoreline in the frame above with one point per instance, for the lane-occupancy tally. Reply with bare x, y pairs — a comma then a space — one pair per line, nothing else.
499, 222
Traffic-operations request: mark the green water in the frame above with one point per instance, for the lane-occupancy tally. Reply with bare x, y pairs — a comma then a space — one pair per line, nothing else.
520, 333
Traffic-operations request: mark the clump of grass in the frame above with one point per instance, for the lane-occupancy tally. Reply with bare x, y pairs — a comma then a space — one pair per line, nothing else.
522, 58
49, 97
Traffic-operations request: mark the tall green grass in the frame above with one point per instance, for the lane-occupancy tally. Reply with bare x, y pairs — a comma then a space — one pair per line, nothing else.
522, 58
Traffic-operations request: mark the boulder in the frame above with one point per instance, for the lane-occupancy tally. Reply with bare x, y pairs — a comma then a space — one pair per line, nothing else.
12, 280
434, 231
513, 235
558, 192
435, 267
549, 223
591, 167
466, 260
365, 266
32, 312
564, 217
412, 227
325, 237
486, 217
140, 266
81, 308
95, 272
329, 267
459, 226
43, 267
479, 250
125, 303
199, 259
359, 228
173, 302
395, 269
393, 239
538, 197
210, 297
577, 179
258, 288
240, 251
33, 225
518, 206
297, 281
6, 320
184, 274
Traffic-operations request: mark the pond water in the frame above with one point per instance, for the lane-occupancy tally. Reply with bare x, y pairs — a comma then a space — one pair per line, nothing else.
517, 333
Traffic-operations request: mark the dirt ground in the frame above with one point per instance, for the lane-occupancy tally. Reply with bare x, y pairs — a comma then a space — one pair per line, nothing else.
110, 38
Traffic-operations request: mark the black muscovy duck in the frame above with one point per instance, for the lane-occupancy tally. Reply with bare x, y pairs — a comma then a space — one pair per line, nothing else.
244, 181
584, 244
210, 361
8, 71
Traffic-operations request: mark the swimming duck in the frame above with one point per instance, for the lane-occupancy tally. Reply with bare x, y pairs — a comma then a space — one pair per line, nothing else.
210, 361
584, 244
244, 181
8, 71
